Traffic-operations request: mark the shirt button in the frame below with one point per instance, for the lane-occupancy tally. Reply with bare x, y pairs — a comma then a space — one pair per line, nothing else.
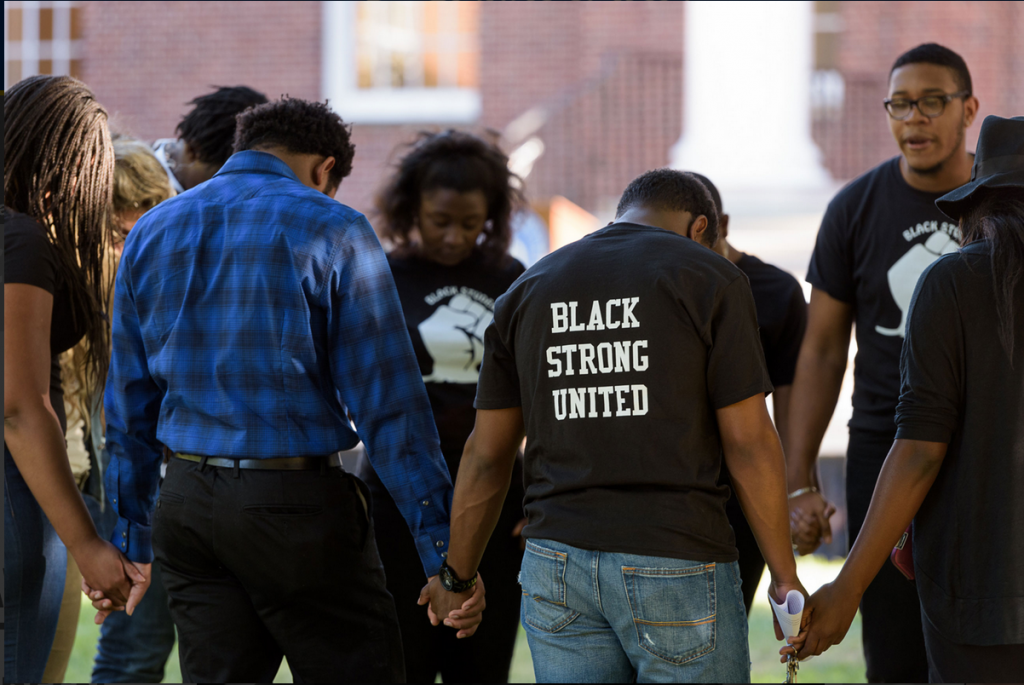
444, 555
440, 543
115, 500
124, 534
425, 502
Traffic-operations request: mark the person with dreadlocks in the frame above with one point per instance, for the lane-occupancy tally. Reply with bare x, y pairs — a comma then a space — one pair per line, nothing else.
58, 171
447, 209
206, 135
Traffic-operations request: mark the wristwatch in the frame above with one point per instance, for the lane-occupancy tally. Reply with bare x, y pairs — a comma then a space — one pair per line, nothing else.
451, 582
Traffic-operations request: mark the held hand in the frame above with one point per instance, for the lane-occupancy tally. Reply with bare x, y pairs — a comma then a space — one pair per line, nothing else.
140, 576
831, 610
103, 571
804, 531
778, 589
461, 611
812, 504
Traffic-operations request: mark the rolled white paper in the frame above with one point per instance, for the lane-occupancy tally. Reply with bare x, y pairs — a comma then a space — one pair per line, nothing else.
789, 613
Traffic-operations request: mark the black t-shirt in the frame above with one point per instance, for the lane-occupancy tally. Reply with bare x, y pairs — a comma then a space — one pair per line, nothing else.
959, 386
447, 309
619, 348
781, 316
878, 235
30, 258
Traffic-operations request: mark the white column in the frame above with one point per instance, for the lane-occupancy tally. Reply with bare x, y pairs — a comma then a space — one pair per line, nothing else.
747, 78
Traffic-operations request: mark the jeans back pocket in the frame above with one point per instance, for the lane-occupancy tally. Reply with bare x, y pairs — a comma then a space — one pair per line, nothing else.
673, 610
543, 581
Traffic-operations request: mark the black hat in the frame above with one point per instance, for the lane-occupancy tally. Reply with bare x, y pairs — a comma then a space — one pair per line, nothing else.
998, 163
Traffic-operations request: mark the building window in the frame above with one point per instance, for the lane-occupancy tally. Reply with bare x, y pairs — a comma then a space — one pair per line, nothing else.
827, 86
402, 62
41, 38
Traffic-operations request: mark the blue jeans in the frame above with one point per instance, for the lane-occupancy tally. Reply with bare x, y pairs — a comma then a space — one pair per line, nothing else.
35, 564
593, 617
135, 649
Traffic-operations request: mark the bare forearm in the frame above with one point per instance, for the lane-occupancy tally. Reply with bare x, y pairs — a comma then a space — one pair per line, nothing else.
906, 477
815, 392
758, 473
35, 441
781, 399
480, 490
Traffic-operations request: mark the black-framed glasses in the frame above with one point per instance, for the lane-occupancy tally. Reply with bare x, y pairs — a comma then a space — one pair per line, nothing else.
930, 106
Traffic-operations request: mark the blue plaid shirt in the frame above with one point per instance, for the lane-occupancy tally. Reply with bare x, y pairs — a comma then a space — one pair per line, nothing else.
249, 313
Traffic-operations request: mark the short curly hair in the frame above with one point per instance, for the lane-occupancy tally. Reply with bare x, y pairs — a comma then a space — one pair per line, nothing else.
674, 191
209, 129
458, 161
302, 127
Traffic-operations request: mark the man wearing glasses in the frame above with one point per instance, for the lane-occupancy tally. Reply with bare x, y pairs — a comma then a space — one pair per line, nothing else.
878, 235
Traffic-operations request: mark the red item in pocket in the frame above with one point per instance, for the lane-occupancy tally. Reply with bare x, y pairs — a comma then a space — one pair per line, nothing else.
902, 556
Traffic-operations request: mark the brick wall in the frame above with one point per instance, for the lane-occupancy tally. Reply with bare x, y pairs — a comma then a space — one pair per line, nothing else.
609, 76
985, 34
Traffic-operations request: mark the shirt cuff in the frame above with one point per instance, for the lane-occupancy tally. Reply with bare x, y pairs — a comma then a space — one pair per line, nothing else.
432, 546
134, 540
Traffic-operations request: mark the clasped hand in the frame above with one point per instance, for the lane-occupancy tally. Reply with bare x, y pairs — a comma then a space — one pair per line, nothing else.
461, 611
110, 579
809, 526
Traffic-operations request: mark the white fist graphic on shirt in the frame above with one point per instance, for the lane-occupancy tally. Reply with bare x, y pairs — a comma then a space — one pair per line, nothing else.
454, 338
905, 273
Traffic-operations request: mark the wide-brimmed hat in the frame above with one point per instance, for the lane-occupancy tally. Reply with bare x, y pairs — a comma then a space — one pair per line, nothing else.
998, 163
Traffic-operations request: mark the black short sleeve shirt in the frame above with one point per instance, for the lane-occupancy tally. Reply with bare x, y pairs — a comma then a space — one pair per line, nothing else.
781, 316
619, 348
29, 258
877, 237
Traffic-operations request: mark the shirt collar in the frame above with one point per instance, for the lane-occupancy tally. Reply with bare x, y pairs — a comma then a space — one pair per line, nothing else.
256, 162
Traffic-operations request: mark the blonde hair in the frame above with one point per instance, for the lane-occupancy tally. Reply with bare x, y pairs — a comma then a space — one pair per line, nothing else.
140, 183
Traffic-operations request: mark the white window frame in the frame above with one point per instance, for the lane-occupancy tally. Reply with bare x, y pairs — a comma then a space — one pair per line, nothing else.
381, 105
30, 49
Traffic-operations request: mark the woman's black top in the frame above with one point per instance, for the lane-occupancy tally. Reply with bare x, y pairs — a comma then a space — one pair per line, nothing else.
960, 386
30, 258
447, 309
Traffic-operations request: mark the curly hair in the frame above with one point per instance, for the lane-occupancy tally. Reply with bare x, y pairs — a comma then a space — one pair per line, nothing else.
59, 169
299, 126
458, 161
672, 190
209, 129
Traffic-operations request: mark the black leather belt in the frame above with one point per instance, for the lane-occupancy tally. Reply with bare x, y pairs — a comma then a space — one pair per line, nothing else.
273, 464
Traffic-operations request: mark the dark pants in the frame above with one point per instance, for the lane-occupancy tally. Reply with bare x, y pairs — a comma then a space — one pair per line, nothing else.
483, 658
751, 562
264, 564
951, 662
890, 610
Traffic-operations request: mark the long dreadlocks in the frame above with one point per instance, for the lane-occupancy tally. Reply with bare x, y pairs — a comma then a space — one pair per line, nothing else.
59, 169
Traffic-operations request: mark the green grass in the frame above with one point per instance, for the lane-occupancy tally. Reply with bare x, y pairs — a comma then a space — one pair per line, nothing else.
844, 663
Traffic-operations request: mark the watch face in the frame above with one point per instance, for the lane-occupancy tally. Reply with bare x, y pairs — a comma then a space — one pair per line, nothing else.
447, 580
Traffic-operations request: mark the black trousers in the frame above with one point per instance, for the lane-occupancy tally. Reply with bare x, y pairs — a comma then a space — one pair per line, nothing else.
890, 609
264, 564
487, 655
951, 662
